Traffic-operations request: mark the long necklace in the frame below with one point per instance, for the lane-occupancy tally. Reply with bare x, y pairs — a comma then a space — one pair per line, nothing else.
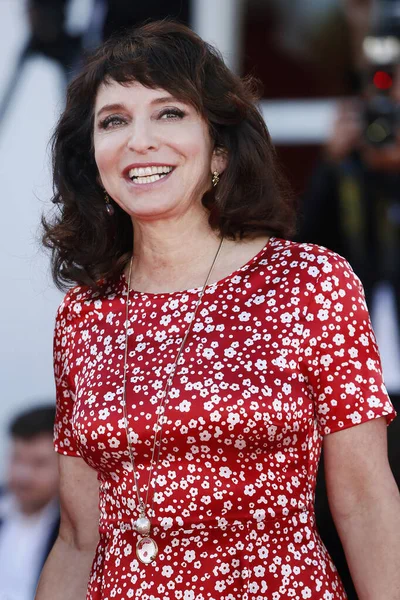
146, 547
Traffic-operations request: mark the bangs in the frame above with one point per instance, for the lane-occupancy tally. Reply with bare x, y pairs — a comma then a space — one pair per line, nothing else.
154, 66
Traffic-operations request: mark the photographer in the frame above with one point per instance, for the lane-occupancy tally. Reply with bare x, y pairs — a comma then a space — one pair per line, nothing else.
353, 203
352, 206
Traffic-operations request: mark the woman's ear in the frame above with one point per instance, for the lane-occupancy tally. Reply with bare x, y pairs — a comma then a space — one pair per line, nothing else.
219, 160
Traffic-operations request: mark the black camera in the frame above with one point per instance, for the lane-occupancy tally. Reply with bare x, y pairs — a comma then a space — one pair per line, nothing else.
382, 111
382, 49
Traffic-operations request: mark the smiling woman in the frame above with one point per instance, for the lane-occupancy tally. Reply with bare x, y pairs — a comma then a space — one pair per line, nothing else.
167, 98
202, 358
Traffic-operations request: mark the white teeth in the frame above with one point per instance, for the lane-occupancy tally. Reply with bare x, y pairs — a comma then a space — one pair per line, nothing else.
148, 171
149, 179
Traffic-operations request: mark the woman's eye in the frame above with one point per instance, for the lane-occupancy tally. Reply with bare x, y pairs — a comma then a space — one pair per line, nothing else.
111, 121
172, 113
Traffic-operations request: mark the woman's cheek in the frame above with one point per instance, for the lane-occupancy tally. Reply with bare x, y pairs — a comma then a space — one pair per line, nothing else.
104, 157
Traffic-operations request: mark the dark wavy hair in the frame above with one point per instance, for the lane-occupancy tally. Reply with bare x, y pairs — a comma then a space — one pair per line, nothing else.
88, 246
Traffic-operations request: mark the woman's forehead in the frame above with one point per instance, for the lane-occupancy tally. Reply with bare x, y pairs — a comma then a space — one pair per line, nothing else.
133, 91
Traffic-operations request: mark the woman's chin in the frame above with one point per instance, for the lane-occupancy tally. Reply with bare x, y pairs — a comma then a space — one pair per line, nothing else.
150, 209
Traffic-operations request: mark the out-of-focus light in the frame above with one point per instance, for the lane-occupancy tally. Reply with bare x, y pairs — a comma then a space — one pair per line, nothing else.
383, 80
382, 50
378, 131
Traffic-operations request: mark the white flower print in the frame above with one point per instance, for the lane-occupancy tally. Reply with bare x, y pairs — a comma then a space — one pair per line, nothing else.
225, 472
257, 365
104, 413
230, 352
114, 442
350, 388
249, 490
215, 416
355, 417
233, 418
280, 457
323, 315
338, 339
261, 364
240, 444
167, 571
259, 514
244, 316
326, 360
208, 353
286, 318
374, 401
190, 556
184, 406
323, 409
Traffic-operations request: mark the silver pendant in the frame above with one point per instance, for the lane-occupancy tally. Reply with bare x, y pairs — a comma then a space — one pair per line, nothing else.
146, 550
142, 525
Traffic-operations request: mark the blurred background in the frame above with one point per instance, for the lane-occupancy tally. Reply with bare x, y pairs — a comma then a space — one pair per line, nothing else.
331, 94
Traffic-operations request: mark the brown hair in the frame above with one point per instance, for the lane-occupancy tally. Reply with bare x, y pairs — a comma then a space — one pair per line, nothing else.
88, 245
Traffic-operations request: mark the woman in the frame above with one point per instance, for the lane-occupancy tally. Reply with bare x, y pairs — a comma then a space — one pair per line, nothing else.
202, 359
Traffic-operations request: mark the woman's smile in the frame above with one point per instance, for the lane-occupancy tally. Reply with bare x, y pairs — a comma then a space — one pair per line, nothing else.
145, 175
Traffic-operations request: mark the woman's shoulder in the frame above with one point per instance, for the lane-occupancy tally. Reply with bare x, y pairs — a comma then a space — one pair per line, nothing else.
82, 298
309, 268
314, 275
304, 256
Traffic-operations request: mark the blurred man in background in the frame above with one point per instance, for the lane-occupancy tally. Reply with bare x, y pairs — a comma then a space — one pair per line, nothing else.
29, 512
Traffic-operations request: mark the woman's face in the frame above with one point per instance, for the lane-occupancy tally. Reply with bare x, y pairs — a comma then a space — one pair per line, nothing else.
153, 152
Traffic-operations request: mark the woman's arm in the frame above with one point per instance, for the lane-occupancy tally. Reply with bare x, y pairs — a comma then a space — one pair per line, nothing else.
65, 575
365, 505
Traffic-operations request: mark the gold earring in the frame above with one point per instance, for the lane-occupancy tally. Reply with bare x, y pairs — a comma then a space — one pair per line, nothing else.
215, 178
109, 206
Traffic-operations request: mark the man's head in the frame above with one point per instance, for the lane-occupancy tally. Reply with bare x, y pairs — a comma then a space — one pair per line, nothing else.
32, 471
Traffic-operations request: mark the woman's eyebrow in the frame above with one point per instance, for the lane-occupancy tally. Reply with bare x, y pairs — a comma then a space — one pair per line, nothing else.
164, 99
110, 107
118, 106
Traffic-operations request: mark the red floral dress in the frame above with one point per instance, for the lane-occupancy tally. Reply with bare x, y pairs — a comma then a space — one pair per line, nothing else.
281, 353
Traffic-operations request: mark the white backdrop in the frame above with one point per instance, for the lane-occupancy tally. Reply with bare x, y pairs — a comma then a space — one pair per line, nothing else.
28, 299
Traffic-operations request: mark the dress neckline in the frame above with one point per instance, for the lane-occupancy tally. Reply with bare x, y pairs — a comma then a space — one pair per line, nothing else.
254, 259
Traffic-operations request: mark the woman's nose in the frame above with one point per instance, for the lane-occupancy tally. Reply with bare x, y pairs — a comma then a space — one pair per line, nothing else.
141, 137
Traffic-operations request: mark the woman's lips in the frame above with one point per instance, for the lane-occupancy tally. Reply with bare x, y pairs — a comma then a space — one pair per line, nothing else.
147, 181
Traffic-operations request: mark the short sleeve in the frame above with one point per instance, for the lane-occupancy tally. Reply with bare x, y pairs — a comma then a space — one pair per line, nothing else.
339, 353
64, 442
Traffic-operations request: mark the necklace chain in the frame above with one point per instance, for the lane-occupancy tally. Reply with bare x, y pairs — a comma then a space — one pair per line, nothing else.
143, 505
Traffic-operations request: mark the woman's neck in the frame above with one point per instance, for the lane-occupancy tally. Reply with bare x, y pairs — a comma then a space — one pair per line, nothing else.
177, 256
